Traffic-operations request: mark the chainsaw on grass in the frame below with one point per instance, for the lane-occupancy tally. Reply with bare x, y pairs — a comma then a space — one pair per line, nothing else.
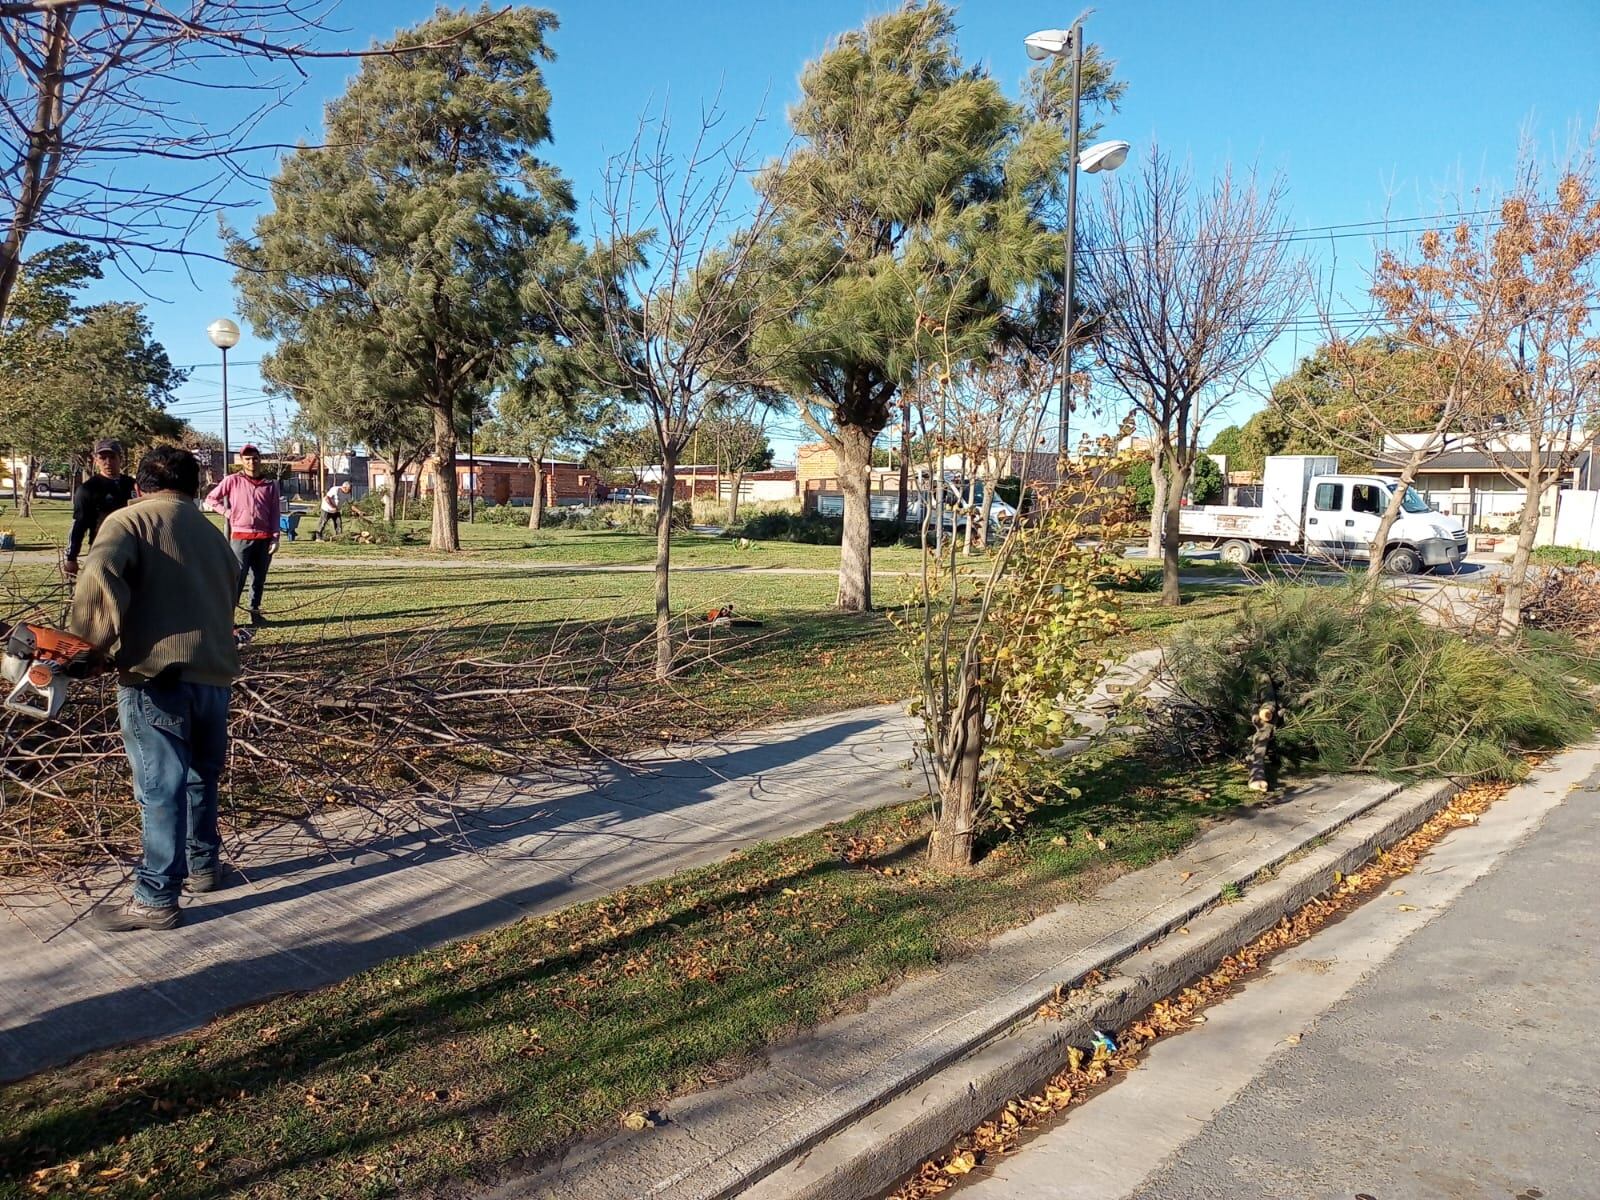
37, 664
723, 618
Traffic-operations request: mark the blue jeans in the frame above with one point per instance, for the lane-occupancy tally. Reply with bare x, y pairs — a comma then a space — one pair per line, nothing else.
254, 555
176, 736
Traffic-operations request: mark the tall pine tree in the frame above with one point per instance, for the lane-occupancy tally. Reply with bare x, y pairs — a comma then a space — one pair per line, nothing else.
917, 190
412, 239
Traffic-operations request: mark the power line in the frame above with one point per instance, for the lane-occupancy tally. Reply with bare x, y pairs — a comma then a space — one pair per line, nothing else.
1349, 229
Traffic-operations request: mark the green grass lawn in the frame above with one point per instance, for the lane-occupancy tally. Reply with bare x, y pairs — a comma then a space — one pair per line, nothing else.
806, 658
48, 527
434, 1071
442, 1067
803, 659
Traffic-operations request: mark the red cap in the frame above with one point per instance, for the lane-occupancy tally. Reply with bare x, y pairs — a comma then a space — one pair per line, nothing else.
249, 448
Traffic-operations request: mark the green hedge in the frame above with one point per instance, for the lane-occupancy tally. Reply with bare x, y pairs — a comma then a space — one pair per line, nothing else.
814, 530
1563, 556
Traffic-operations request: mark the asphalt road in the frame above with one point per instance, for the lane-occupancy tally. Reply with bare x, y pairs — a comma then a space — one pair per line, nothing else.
1443, 1041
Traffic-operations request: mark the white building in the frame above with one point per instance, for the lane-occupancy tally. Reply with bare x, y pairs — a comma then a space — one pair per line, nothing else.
1473, 480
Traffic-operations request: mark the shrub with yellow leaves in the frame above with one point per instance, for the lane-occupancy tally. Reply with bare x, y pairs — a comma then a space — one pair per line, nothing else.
1007, 648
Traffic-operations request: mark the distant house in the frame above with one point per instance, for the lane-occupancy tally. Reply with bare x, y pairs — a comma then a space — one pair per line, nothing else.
500, 479
14, 477
1467, 480
817, 473
708, 482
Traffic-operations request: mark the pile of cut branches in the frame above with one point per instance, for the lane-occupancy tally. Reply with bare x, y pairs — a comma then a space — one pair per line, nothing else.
1370, 687
384, 729
1564, 600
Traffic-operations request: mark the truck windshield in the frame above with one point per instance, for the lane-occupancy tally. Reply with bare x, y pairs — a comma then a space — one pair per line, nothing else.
1413, 503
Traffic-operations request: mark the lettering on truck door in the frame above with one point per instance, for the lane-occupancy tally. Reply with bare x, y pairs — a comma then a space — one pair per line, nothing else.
1325, 521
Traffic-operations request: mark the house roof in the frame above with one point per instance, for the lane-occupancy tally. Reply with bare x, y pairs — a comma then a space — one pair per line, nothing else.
1458, 462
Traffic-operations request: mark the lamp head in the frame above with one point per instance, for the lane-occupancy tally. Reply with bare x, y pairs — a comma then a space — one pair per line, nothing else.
1103, 156
224, 334
1048, 43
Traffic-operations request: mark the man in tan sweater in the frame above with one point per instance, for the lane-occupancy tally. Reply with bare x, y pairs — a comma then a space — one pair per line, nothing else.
156, 595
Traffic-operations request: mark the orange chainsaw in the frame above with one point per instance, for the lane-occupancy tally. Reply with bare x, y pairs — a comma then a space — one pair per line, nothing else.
37, 664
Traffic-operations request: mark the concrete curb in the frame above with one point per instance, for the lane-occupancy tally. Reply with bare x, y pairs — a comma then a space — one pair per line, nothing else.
873, 1154
847, 1110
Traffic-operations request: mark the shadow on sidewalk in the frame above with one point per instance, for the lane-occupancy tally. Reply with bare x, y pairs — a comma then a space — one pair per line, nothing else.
475, 865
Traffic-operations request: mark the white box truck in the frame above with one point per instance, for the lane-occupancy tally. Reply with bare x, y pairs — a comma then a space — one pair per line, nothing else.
1309, 508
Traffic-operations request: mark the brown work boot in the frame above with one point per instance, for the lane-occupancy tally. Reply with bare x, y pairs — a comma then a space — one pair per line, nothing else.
131, 915
210, 879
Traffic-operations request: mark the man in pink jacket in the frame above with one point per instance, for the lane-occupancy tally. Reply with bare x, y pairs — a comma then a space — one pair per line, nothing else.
253, 506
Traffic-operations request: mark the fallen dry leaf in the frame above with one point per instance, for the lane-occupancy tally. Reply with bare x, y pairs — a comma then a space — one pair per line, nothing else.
960, 1164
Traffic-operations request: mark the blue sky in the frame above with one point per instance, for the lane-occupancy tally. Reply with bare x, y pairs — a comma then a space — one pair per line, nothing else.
1369, 110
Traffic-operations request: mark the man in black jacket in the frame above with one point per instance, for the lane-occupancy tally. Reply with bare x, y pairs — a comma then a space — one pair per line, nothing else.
97, 497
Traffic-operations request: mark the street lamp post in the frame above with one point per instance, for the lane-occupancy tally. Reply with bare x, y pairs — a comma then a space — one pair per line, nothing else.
224, 335
1104, 156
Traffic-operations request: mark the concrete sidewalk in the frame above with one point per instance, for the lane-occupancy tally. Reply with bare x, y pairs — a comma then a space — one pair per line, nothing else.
310, 913
841, 1111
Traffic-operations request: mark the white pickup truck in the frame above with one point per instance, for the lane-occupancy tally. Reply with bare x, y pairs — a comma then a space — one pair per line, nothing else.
1309, 508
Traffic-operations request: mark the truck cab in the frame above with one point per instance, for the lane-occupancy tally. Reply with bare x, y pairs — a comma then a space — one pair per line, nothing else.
1342, 515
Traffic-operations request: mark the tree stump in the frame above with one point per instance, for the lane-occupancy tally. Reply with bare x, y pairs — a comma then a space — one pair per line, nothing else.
1263, 742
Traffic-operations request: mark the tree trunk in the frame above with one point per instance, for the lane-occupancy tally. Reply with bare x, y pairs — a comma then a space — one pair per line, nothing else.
905, 460
25, 505
1380, 536
733, 497
855, 550
960, 780
388, 501
1527, 531
669, 487
1158, 506
446, 511
986, 513
38, 164
1177, 484
536, 512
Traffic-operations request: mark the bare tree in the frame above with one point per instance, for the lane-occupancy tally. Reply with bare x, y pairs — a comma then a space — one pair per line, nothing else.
89, 86
1191, 287
736, 426
1403, 394
679, 302
990, 421
1542, 265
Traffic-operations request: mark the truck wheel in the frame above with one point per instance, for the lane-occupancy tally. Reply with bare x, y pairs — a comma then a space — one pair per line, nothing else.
1403, 560
1236, 553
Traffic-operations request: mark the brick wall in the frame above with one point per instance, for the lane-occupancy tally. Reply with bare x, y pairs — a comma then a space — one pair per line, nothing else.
814, 461
506, 483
